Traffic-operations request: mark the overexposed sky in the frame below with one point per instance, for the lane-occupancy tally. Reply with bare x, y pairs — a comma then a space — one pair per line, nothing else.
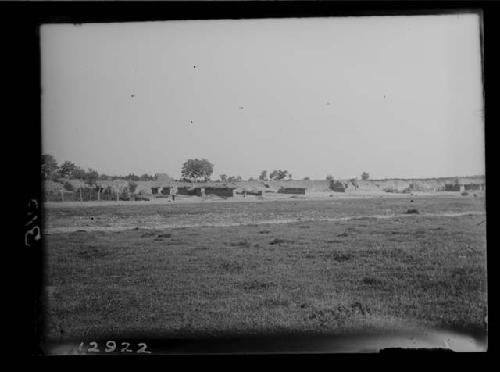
397, 96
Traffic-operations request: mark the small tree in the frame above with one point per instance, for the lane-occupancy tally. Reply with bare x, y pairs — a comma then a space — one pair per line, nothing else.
263, 175
78, 173
223, 177
91, 177
278, 174
306, 178
124, 193
49, 166
329, 177
197, 168
132, 177
365, 176
132, 186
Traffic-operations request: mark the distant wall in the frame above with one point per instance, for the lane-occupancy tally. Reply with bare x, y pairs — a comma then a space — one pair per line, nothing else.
473, 187
82, 194
451, 187
250, 192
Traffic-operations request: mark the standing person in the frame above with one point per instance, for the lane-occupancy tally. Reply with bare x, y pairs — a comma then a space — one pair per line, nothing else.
173, 192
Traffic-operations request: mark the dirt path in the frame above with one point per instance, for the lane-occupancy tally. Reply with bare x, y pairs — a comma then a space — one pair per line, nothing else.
119, 227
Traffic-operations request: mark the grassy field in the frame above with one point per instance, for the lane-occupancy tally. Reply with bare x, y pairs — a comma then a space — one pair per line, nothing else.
133, 215
305, 276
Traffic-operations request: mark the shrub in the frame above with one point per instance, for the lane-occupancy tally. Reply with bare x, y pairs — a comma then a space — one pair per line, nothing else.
68, 186
108, 194
124, 194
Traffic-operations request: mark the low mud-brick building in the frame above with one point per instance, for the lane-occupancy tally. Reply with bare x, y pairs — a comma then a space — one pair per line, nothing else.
292, 190
338, 186
466, 184
196, 189
474, 186
222, 191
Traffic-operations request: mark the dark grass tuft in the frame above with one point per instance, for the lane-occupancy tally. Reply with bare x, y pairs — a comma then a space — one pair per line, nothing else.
341, 257
279, 241
412, 211
371, 281
240, 243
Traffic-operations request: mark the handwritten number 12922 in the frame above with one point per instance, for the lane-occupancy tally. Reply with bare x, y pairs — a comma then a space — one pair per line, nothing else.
112, 346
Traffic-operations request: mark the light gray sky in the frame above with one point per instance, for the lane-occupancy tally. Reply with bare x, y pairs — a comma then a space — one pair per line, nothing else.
393, 96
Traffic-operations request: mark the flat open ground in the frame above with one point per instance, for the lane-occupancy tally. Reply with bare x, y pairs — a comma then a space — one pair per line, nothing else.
318, 266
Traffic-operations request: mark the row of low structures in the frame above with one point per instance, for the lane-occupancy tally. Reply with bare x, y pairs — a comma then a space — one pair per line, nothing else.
221, 190
120, 189
295, 188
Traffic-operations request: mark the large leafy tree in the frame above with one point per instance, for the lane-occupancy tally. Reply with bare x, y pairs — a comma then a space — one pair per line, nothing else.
365, 176
196, 169
49, 166
67, 168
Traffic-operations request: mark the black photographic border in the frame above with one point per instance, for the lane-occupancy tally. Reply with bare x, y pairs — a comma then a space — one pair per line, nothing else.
21, 21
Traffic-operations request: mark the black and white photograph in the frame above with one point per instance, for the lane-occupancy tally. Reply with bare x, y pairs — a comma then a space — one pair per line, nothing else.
300, 178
